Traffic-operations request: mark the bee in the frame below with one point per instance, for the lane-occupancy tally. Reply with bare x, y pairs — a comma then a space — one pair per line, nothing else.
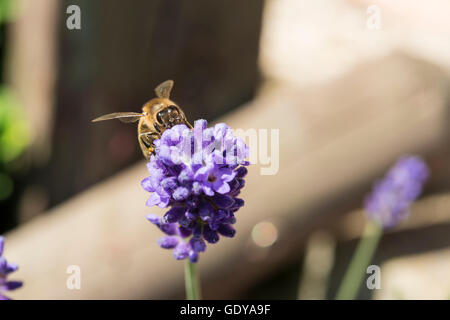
157, 115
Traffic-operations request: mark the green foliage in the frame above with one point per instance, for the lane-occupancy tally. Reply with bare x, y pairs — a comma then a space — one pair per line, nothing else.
14, 135
7, 9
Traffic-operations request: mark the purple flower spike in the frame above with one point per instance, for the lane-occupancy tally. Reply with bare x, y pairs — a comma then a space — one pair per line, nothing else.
5, 269
389, 202
197, 174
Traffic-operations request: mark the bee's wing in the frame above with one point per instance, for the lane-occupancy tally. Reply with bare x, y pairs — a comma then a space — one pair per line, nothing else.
122, 116
163, 90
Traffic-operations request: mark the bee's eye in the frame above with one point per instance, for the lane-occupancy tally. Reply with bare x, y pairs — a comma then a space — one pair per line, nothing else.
173, 111
159, 116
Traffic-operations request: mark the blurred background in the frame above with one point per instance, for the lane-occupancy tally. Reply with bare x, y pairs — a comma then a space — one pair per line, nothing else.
351, 85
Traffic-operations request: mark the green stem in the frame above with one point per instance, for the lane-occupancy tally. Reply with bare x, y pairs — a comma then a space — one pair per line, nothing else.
361, 258
192, 282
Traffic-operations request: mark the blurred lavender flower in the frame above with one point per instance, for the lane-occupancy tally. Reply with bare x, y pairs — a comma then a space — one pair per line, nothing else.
5, 269
198, 174
391, 197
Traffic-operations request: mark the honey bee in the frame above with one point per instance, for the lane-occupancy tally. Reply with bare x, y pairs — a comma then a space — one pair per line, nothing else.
157, 115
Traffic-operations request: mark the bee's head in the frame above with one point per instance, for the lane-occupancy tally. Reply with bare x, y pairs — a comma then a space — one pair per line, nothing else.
164, 113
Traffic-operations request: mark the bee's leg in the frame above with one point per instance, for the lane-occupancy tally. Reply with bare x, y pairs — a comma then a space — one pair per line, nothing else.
146, 140
188, 124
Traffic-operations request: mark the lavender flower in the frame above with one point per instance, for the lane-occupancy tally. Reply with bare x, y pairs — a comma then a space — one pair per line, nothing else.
198, 174
391, 197
5, 269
